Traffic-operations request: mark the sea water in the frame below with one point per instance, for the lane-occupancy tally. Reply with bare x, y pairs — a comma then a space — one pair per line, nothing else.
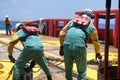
2, 25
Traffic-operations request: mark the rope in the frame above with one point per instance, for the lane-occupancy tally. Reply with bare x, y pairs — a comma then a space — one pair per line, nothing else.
10, 73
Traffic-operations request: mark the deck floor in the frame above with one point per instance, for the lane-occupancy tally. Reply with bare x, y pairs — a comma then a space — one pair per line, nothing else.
51, 48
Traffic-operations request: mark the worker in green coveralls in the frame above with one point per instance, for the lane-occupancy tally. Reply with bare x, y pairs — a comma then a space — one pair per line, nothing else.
33, 50
72, 43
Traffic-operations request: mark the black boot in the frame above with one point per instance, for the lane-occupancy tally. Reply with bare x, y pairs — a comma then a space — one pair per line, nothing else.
49, 77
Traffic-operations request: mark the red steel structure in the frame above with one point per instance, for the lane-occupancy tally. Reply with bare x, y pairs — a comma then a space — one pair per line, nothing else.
52, 26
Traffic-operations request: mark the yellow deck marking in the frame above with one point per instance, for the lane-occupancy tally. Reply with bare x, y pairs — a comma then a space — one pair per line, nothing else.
90, 72
4, 72
2, 32
1, 44
92, 56
8, 40
5, 40
51, 43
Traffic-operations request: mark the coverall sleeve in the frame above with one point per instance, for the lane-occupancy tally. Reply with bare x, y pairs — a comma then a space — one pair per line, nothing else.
94, 39
12, 43
62, 34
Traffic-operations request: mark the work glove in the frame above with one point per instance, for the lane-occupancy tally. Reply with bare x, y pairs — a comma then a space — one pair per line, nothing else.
12, 59
32, 63
61, 52
98, 55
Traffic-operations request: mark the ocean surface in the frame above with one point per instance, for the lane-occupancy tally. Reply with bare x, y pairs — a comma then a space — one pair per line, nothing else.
2, 25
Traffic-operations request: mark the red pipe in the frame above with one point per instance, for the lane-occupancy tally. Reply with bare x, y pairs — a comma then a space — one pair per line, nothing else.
119, 40
108, 5
115, 33
98, 11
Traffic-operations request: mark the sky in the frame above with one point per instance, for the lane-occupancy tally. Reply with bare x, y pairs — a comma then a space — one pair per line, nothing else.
36, 9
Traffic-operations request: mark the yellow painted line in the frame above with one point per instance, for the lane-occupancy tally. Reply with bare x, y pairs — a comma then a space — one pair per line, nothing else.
1, 44
2, 32
92, 55
49, 54
5, 40
51, 43
8, 40
45, 43
93, 73
90, 72
4, 72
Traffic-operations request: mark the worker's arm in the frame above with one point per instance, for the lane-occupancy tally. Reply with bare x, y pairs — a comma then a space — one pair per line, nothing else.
62, 34
11, 46
19, 34
12, 43
94, 39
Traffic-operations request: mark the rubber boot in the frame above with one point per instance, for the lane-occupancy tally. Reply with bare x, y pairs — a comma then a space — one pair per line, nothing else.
49, 77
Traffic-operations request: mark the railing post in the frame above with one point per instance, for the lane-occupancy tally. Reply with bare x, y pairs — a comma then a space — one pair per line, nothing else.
118, 40
108, 5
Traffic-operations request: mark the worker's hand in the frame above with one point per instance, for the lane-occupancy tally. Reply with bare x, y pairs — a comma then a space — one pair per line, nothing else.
61, 52
98, 55
12, 59
32, 63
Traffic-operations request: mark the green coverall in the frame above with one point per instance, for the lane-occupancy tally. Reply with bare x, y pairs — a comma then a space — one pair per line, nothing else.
75, 48
33, 49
